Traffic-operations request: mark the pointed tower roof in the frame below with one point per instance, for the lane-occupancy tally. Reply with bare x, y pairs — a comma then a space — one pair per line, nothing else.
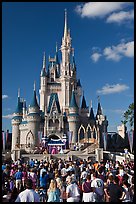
19, 107
65, 26
73, 103
92, 113
43, 72
99, 109
78, 83
83, 105
34, 99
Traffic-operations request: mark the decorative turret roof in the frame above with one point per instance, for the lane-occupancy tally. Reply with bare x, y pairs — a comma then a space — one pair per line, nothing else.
73, 103
34, 99
92, 114
19, 108
78, 83
99, 109
83, 105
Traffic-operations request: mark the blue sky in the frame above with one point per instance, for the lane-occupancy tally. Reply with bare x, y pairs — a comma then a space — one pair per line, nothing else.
103, 39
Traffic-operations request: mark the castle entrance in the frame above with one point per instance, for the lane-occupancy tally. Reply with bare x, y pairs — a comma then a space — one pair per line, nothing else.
55, 144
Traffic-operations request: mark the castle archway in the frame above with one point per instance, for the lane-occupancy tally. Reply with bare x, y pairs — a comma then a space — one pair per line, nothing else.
54, 137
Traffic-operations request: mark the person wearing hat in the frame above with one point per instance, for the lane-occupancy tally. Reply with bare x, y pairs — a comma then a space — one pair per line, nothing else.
28, 195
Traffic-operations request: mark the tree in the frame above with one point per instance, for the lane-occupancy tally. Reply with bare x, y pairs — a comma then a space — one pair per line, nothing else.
129, 116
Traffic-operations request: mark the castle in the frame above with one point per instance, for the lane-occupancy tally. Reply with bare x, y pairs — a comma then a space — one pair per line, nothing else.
62, 110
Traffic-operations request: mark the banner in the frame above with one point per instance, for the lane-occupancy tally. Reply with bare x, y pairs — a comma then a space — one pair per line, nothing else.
105, 140
7, 133
40, 136
70, 136
130, 138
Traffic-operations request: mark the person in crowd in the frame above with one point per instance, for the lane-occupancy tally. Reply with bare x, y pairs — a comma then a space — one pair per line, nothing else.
33, 176
88, 194
53, 192
98, 187
13, 195
72, 191
83, 175
18, 177
126, 192
24, 176
114, 191
62, 190
44, 180
28, 195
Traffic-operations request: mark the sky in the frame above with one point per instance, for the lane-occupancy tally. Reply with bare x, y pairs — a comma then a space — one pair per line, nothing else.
102, 37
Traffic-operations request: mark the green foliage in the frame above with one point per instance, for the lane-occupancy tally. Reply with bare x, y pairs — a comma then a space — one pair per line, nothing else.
129, 116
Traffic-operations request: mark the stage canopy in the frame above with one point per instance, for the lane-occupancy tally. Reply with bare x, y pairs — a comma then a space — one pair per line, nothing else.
54, 142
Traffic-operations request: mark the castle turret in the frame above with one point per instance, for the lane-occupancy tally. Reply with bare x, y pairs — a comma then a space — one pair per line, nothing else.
33, 119
73, 118
100, 118
91, 116
16, 120
43, 88
84, 108
99, 115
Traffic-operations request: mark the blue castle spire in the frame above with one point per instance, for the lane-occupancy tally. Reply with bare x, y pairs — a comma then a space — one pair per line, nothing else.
19, 108
83, 105
73, 103
99, 109
34, 99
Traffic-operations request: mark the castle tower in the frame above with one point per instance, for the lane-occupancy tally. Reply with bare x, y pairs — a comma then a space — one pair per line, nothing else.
33, 119
16, 120
101, 123
73, 118
43, 88
66, 79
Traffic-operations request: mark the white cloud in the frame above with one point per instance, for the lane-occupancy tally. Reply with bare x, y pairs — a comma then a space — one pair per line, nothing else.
95, 56
4, 96
110, 89
10, 116
111, 53
120, 17
99, 9
115, 53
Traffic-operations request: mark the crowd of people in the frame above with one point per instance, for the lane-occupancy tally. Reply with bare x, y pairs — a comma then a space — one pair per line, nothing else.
68, 181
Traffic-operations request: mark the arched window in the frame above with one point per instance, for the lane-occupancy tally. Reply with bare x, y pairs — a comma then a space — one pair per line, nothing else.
81, 135
89, 133
94, 134
50, 123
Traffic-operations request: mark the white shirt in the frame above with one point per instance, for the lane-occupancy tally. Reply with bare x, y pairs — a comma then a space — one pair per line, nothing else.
98, 184
84, 175
73, 190
28, 195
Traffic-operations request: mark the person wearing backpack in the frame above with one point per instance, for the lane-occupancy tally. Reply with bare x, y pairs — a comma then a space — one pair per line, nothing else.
53, 192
